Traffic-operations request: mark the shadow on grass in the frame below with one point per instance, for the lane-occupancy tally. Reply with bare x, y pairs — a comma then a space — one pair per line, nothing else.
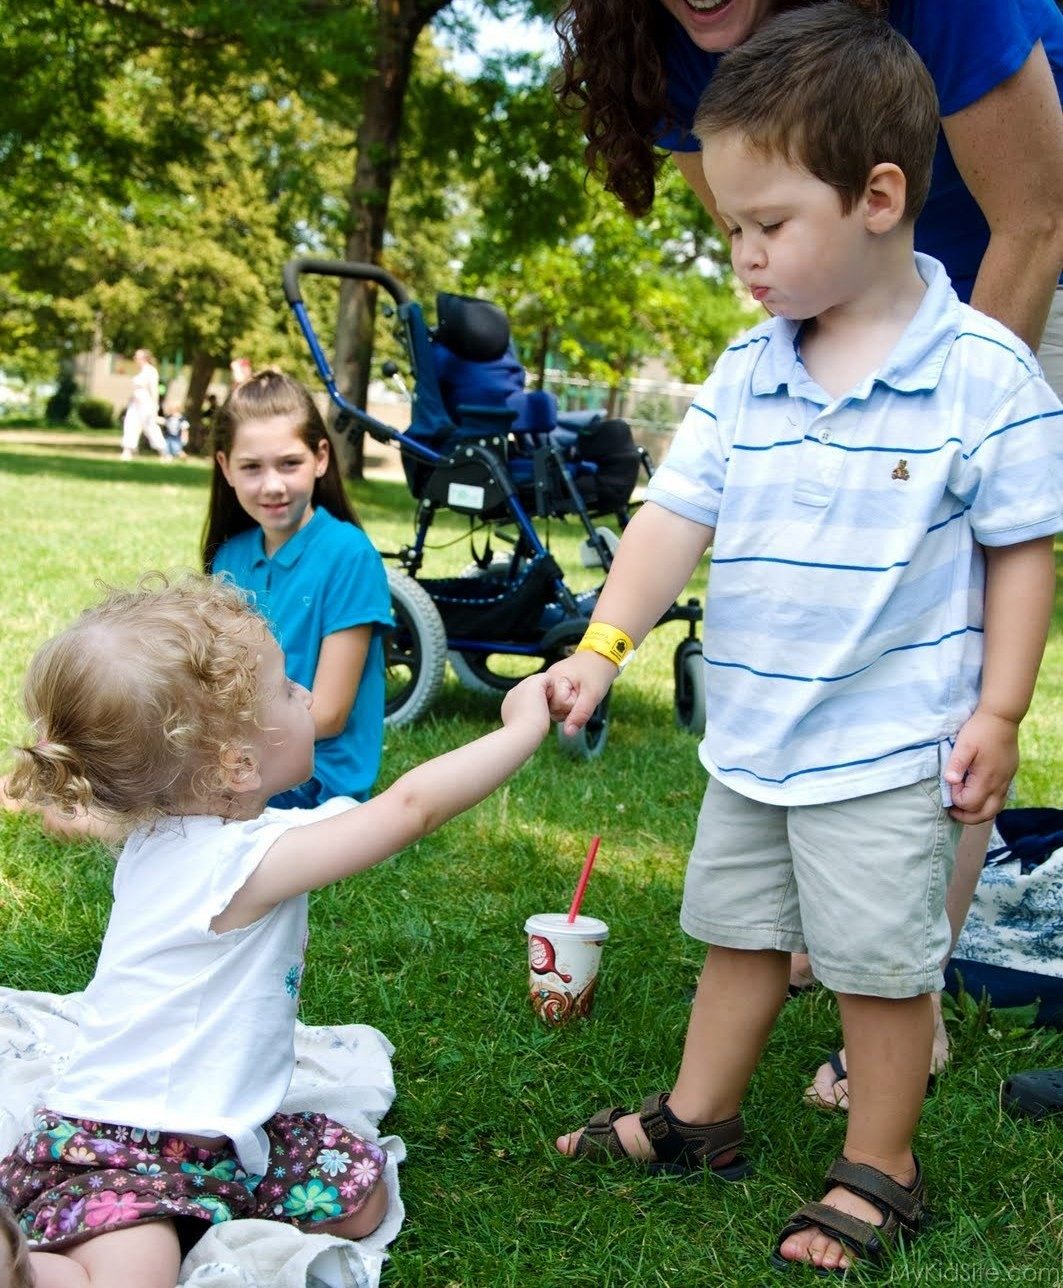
377, 497
102, 470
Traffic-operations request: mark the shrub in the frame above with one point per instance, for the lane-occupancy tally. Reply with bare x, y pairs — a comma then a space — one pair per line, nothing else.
58, 408
96, 413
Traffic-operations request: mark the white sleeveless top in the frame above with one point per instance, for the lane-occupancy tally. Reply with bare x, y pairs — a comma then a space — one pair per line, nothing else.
185, 1030
146, 387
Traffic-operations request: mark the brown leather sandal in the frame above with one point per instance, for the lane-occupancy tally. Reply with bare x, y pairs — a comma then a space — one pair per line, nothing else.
903, 1209
680, 1149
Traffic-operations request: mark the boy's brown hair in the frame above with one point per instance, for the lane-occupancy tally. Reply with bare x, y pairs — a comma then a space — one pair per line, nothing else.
834, 89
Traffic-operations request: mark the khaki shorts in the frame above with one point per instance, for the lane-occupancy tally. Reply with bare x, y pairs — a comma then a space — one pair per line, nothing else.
858, 884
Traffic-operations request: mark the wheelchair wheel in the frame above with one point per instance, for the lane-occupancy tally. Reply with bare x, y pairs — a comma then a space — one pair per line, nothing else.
475, 673
415, 652
689, 667
589, 743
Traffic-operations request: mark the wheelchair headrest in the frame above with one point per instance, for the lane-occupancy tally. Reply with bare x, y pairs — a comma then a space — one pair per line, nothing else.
475, 330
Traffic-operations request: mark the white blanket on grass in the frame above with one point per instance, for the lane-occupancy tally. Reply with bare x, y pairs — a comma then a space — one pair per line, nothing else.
343, 1071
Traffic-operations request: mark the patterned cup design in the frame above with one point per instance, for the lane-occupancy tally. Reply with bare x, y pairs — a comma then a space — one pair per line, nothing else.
563, 960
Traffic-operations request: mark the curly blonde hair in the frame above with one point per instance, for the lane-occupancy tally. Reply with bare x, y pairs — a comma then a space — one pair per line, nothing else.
14, 1252
134, 704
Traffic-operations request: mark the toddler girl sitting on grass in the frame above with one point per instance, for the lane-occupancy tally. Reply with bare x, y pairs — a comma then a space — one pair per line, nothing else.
167, 711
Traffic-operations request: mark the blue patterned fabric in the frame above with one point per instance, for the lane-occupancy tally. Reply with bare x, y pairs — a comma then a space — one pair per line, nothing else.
1016, 916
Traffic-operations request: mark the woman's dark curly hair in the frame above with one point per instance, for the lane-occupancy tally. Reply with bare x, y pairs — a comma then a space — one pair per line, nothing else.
612, 73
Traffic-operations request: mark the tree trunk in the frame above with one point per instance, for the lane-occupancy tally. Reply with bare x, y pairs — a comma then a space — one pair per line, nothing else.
203, 366
616, 403
399, 22
542, 354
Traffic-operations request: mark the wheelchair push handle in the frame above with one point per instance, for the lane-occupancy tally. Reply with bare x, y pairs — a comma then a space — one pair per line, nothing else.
295, 268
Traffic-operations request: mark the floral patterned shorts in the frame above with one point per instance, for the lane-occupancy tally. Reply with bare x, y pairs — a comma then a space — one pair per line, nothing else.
68, 1179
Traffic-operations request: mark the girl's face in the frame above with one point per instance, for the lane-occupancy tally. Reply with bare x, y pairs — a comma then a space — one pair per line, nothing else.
718, 25
273, 472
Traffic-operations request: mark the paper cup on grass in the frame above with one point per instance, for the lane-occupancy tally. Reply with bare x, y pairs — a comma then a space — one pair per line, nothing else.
563, 960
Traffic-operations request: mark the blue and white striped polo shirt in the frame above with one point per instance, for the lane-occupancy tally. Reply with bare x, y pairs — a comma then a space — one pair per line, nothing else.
843, 629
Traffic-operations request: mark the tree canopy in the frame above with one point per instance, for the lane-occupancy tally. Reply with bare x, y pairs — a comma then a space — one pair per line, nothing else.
164, 158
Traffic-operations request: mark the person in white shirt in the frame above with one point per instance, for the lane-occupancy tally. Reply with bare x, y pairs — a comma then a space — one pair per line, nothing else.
142, 415
166, 710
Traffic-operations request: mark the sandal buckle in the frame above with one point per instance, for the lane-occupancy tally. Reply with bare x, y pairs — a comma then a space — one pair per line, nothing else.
655, 1126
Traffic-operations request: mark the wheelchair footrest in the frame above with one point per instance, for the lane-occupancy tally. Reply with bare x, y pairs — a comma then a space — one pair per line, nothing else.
496, 608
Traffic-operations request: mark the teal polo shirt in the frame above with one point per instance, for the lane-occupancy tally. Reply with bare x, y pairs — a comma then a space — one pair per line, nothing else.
328, 577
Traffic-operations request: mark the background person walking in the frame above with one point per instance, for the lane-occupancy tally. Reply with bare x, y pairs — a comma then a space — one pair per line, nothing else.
142, 415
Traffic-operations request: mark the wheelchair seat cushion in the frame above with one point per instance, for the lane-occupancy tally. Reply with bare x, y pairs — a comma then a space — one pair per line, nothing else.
536, 411
464, 383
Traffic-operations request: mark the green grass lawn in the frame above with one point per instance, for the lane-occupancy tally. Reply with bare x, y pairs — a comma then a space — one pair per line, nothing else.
429, 948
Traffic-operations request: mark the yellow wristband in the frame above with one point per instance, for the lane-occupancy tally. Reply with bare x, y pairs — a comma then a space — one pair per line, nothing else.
614, 644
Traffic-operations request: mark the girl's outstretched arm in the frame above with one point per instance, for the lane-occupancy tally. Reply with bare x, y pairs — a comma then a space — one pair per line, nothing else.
306, 858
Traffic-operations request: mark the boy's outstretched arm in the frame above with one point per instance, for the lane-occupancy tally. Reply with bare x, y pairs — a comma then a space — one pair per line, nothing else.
1020, 584
318, 854
656, 558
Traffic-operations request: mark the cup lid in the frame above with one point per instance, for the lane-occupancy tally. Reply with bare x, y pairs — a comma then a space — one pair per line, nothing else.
557, 925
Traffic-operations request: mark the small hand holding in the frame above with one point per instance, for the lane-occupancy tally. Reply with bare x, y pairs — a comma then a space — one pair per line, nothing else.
529, 703
562, 696
981, 766
580, 682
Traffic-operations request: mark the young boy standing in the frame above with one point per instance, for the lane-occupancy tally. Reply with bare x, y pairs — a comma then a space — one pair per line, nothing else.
878, 471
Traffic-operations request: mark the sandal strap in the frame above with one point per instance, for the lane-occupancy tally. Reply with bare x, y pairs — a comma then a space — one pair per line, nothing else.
599, 1139
866, 1240
693, 1144
892, 1198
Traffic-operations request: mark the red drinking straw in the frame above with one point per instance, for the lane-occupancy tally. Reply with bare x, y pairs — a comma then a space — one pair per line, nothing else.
584, 877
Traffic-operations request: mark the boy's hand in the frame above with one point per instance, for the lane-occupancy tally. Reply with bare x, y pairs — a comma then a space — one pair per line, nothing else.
529, 703
579, 684
981, 766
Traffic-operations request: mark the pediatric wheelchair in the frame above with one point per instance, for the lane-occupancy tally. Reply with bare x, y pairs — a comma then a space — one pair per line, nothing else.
480, 445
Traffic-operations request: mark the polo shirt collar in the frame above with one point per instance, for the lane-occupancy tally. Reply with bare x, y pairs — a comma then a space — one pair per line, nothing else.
778, 363
288, 555
915, 364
